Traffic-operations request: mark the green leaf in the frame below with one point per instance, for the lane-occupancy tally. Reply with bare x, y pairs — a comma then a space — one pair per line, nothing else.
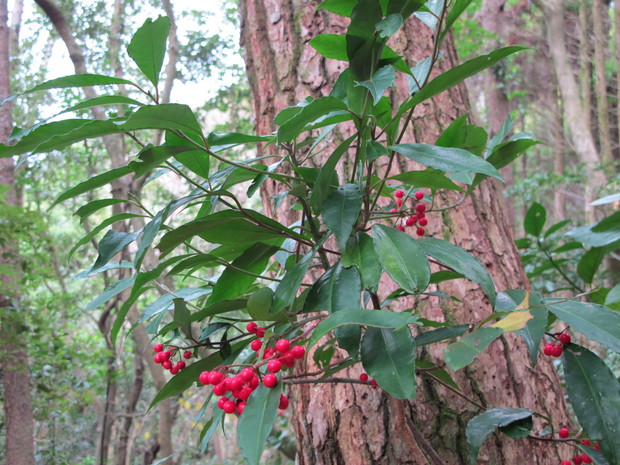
330, 46
596, 322
340, 211
148, 47
360, 252
486, 423
387, 27
100, 227
169, 116
74, 80
589, 263
103, 100
111, 244
462, 352
379, 81
610, 223
86, 210
257, 421
287, 289
460, 261
389, 357
182, 316
588, 237
211, 329
427, 178
219, 141
614, 295
450, 160
163, 303
404, 8
234, 280
401, 258
108, 293
606, 200
149, 232
534, 329
93, 183
322, 185
440, 334
594, 393
535, 218
457, 9
339, 7
308, 115
373, 318
438, 373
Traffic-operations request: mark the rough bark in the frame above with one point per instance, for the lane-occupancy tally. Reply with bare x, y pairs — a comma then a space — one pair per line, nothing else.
355, 424
14, 364
602, 111
574, 112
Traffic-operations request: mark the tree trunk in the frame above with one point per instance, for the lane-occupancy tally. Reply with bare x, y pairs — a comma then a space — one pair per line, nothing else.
356, 424
600, 39
14, 336
585, 63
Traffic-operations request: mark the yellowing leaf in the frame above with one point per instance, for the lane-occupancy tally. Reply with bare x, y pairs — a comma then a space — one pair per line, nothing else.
526, 302
147, 436
514, 321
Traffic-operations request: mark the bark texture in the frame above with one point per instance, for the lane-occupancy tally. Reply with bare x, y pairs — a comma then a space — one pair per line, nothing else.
600, 39
19, 423
355, 424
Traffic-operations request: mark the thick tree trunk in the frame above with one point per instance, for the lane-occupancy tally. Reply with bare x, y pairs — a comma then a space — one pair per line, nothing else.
356, 424
14, 365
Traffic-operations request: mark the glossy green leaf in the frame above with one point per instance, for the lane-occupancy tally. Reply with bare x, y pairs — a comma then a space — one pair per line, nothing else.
388, 356
100, 227
535, 218
322, 185
614, 295
590, 262
330, 46
148, 47
164, 302
219, 141
93, 183
259, 304
462, 352
196, 261
438, 373
219, 308
481, 426
340, 211
460, 261
149, 232
440, 334
111, 244
401, 258
286, 291
427, 178
257, 421
86, 210
181, 316
379, 82
237, 278
596, 322
387, 27
594, 393
109, 292
450, 160
354, 316
103, 100
610, 223
404, 8
588, 237
210, 428
309, 114
339, 7
169, 116
360, 252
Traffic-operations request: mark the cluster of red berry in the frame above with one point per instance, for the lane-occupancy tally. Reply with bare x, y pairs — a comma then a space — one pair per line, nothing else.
419, 218
581, 458
164, 357
364, 378
555, 350
242, 384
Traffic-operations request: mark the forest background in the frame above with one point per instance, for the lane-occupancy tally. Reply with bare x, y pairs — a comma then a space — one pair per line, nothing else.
89, 398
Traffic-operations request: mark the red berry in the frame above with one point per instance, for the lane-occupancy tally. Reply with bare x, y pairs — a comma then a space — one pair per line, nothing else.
298, 352
577, 460
247, 374
563, 433
204, 377
596, 446
399, 194
221, 401
374, 382
180, 365
564, 462
410, 221
235, 383
241, 406
260, 332
274, 366
166, 355
167, 364
548, 350
420, 208
251, 327
364, 378
586, 442
256, 345
283, 345
564, 338
557, 350
270, 380
254, 383
419, 195
288, 360
393, 210
158, 347
157, 358
419, 231
399, 202
215, 378
229, 407
174, 370
283, 402
400, 228
187, 354
423, 221
219, 389
269, 353
244, 393
586, 458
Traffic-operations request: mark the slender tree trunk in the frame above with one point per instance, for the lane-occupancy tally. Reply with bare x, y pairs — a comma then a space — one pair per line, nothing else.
122, 457
585, 63
355, 424
557, 128
13, 333
600, 39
